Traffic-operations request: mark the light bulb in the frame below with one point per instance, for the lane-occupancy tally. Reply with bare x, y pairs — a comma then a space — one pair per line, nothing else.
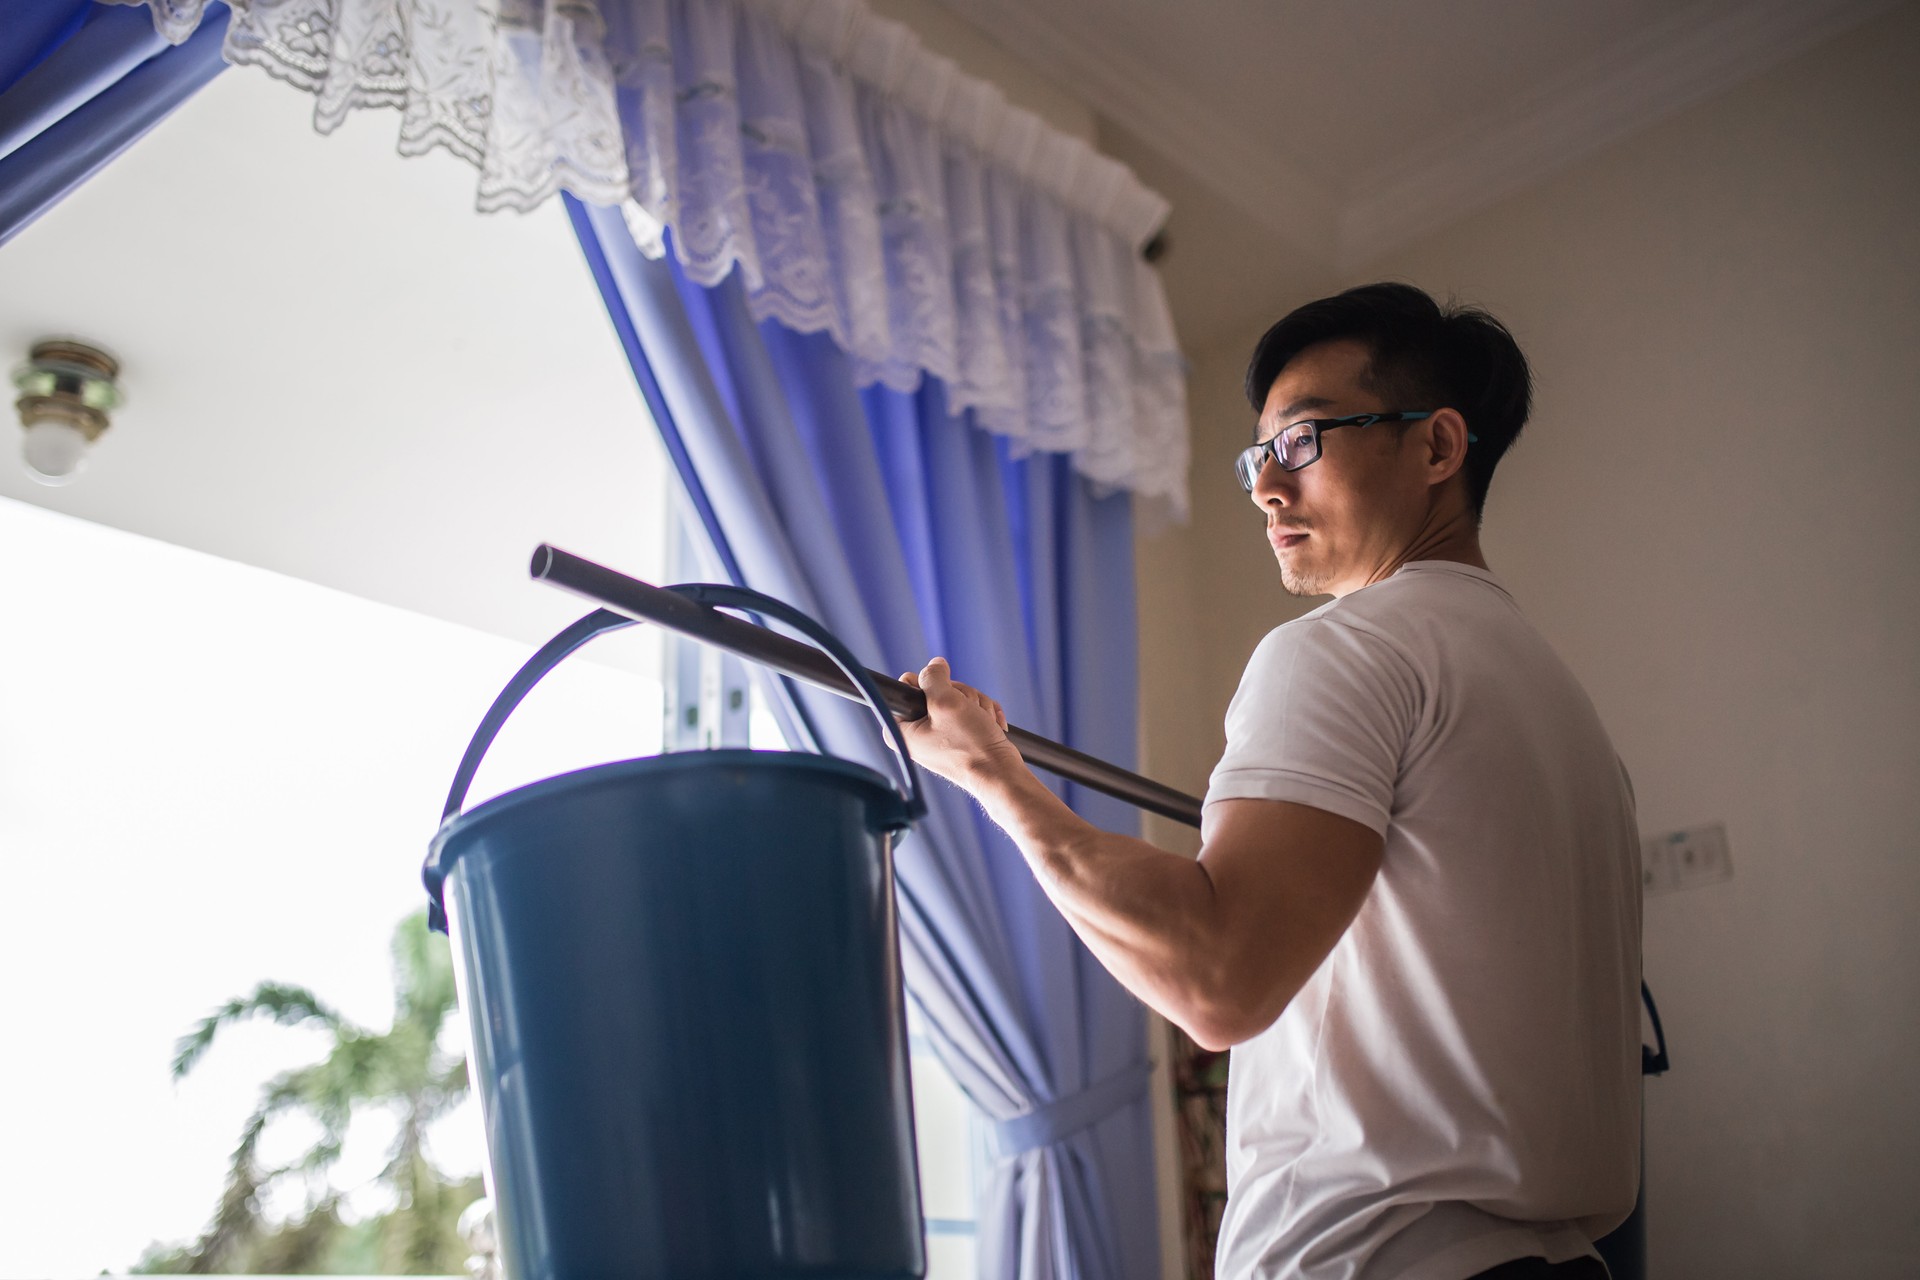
55, 451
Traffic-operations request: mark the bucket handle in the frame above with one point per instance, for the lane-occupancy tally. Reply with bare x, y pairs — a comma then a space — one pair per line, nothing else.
746, 599
723, 595
545, 659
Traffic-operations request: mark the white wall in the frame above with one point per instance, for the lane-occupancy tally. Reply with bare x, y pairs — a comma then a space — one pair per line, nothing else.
1713, 516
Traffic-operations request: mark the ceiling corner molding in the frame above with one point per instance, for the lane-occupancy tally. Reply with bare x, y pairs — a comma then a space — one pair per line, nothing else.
1242, 170
1695, 54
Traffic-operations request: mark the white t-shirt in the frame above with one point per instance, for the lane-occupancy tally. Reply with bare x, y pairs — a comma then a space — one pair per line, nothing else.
1458, 1085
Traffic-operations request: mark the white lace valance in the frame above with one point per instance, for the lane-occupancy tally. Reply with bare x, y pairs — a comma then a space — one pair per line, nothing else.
862, 185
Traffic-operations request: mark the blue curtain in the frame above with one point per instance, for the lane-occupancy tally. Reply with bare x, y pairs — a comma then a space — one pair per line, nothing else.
80, 83
910, 532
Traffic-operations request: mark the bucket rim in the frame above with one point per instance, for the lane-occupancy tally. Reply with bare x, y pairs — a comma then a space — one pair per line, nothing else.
892, 812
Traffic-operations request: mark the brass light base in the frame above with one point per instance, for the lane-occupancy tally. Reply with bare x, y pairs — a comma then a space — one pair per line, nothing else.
65, 383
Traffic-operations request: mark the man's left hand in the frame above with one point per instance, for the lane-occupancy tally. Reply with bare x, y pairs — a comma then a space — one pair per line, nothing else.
963, 736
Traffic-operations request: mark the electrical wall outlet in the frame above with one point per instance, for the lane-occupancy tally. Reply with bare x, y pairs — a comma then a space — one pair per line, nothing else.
1684, 859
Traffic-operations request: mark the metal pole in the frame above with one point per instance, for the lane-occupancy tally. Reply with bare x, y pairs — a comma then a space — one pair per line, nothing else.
648, 603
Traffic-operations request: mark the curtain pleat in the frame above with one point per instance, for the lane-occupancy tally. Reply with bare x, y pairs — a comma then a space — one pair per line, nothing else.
87, 82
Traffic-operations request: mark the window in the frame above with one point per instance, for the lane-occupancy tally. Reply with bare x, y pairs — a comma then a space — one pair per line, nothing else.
952, 1160
212, 775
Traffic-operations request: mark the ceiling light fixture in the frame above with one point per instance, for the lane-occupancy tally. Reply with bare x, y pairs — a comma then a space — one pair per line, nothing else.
67, 388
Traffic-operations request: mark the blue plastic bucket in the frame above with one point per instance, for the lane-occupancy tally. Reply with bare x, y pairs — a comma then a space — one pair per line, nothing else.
682, 977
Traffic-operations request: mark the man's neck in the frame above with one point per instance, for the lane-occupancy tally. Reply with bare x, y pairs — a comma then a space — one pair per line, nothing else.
1453, 537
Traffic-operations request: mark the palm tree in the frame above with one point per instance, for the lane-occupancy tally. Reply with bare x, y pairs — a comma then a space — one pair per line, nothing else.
403, 1071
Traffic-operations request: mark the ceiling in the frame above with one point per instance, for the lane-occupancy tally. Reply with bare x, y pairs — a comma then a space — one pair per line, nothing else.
335, 369
1299, 141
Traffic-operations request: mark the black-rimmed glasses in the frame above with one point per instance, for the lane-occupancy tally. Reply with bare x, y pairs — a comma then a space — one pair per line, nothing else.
1298, 443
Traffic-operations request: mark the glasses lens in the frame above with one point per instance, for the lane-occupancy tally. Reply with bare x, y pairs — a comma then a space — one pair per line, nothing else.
1247, 465
1297, 445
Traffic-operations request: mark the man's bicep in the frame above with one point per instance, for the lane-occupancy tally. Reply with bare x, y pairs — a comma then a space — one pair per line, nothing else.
1288, 880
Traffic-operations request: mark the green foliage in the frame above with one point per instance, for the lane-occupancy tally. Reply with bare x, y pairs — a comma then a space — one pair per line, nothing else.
401, 1071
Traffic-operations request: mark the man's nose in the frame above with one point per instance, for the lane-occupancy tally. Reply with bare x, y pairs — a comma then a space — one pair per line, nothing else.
1272, 485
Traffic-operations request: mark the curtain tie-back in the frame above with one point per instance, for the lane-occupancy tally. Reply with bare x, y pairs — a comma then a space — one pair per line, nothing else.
1060, 1119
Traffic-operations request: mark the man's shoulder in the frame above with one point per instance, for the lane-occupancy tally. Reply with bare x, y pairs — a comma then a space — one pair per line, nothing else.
1418, 596
1404, 623
1335, 637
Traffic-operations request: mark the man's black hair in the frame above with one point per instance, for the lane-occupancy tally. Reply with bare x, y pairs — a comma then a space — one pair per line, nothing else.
1420, 356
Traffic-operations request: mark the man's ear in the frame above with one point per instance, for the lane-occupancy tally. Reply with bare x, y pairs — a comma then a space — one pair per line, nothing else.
1446, 445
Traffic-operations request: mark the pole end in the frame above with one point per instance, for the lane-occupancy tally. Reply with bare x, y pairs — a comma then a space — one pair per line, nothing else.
542, 561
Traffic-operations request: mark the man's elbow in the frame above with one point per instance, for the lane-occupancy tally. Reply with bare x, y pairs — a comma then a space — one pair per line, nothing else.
1230, 1013
1217, 1035
1209, 1037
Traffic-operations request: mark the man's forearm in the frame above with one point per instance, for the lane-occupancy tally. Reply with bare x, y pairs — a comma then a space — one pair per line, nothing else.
1148, 915
1219, 944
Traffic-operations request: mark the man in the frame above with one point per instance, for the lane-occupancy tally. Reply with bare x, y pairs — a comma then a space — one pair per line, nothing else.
1415, 916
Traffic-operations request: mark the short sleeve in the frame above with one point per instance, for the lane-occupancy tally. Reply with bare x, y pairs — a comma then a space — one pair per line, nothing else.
1322, 718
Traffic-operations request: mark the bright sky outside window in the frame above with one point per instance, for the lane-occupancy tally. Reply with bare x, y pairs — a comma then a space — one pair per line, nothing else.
212, 775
